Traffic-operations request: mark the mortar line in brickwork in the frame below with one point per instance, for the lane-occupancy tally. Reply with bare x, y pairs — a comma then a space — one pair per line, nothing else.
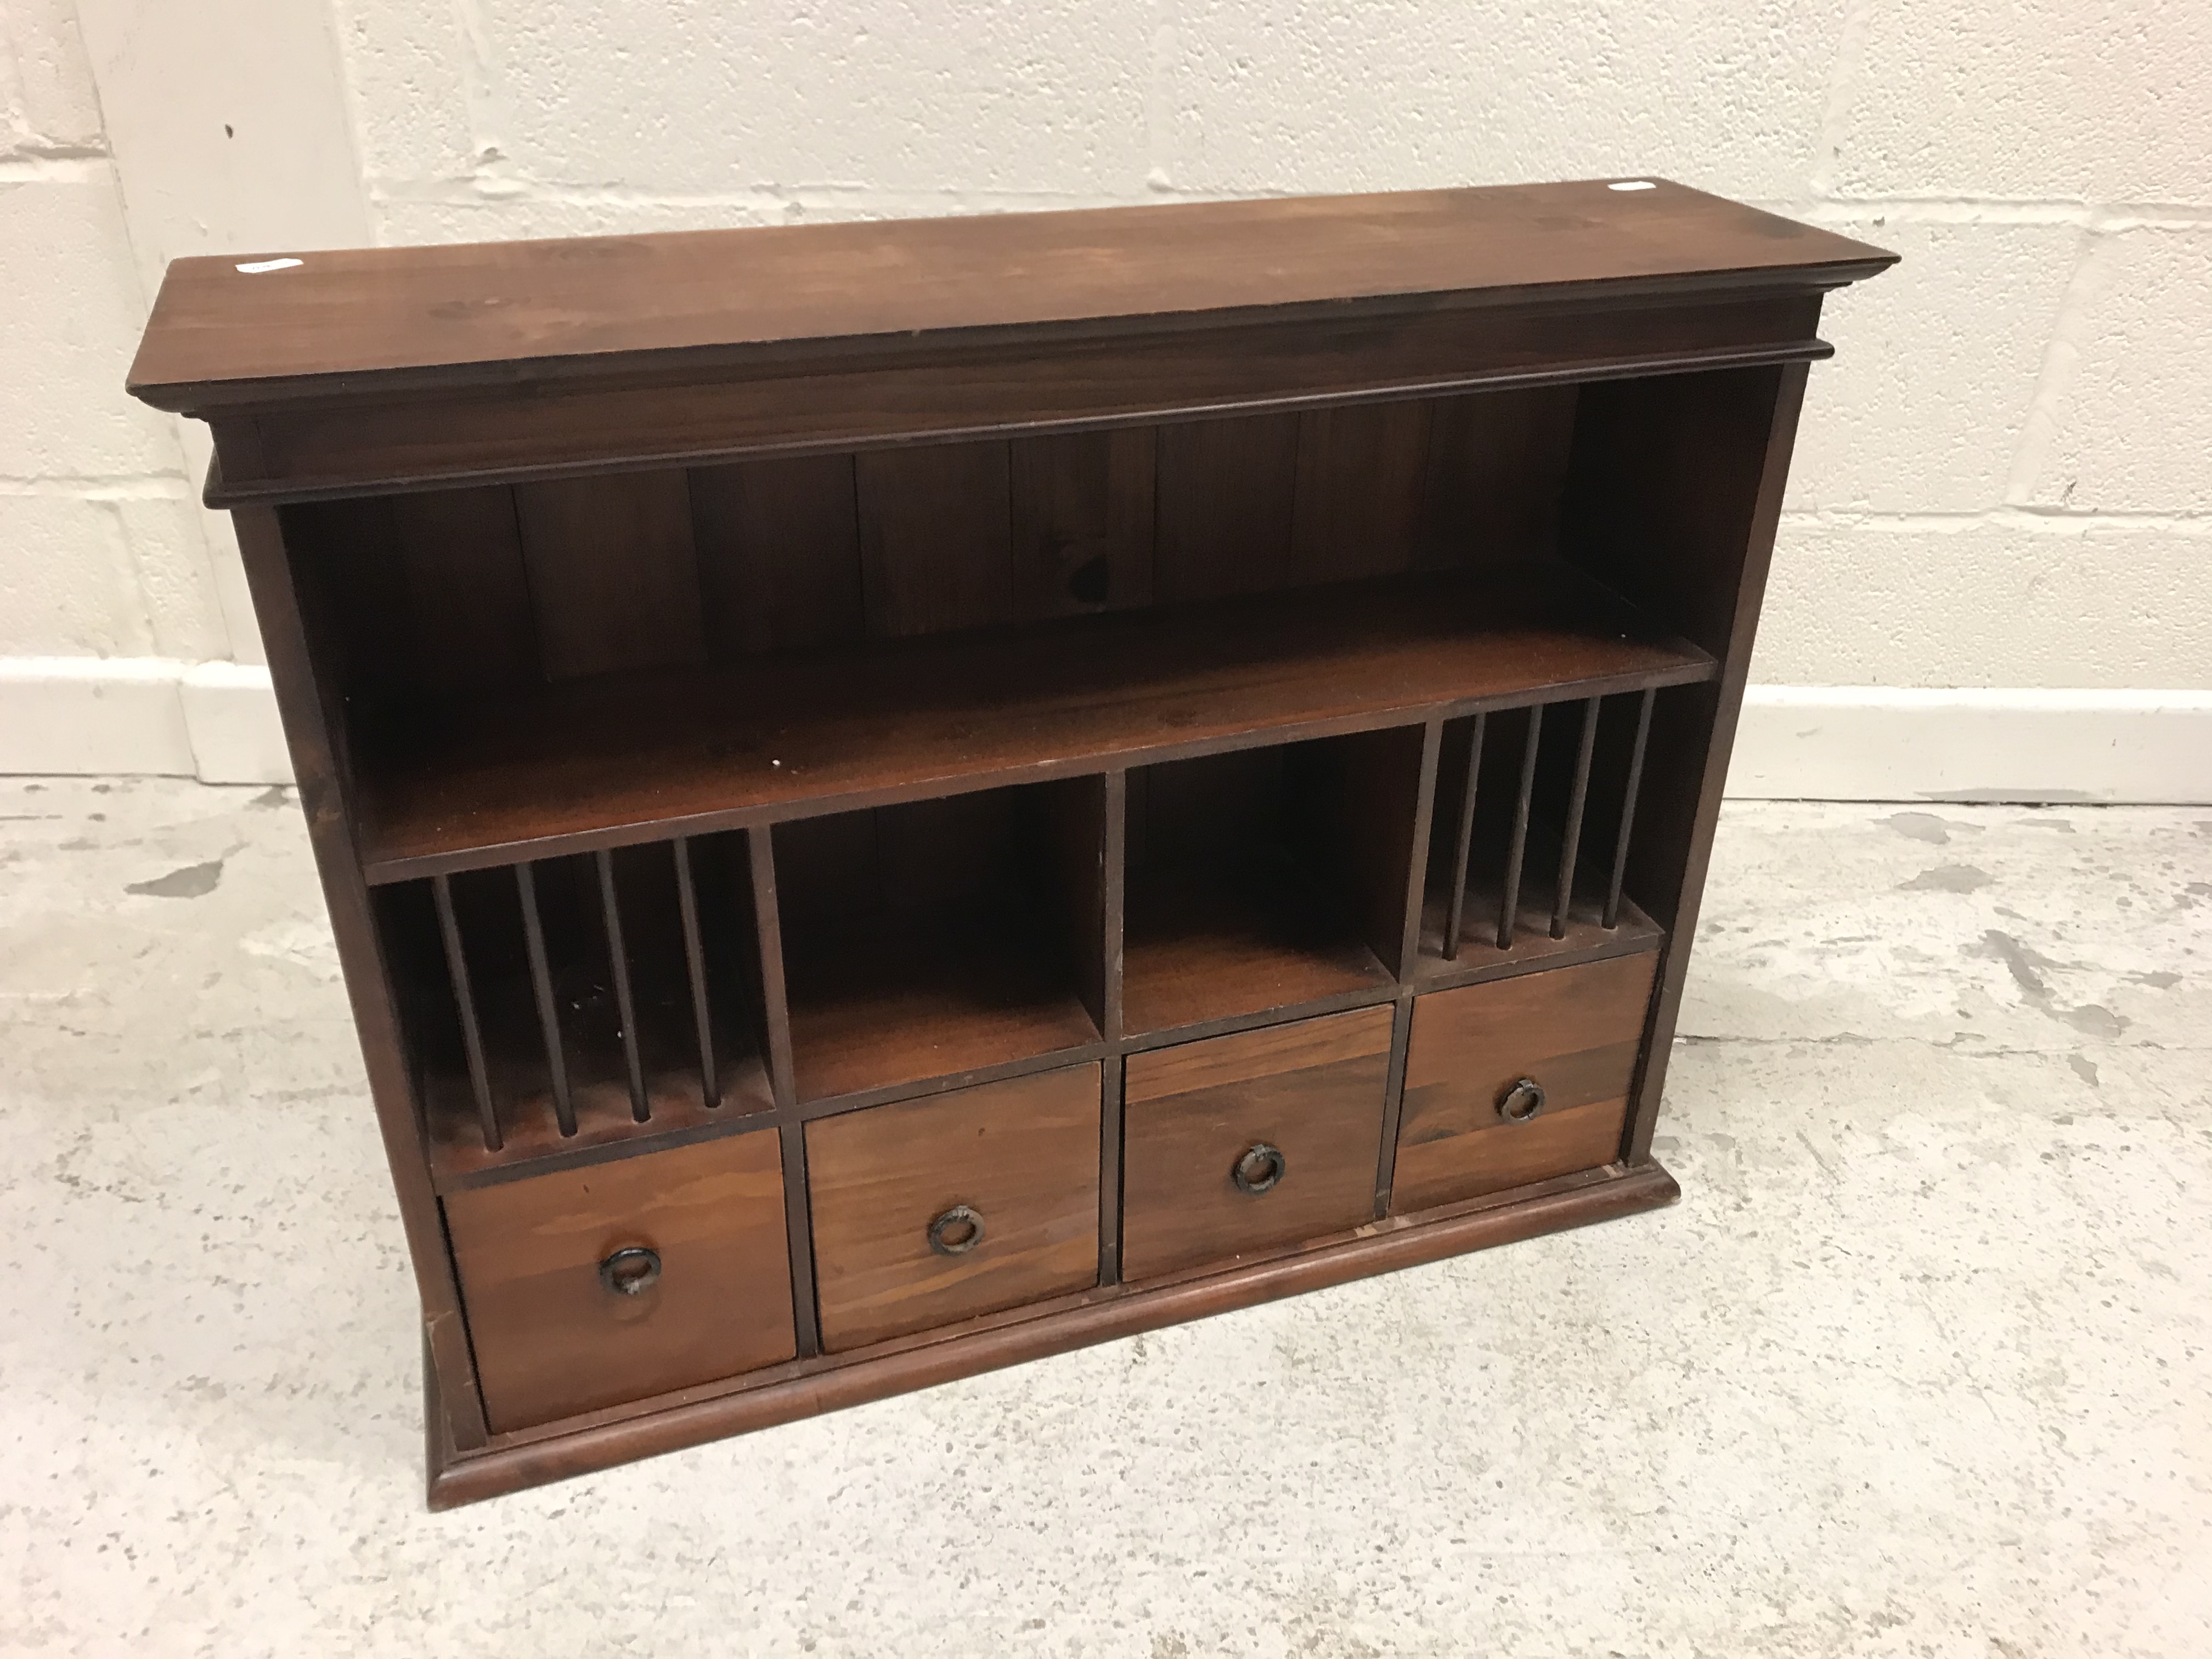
2047, 521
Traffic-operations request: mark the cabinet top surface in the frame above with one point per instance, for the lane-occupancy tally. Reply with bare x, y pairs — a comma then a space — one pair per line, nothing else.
360, 320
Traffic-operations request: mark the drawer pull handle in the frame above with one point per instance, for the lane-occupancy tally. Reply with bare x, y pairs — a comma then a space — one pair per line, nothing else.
1522, 1102
630, 1271
956, 1232
1260, 1167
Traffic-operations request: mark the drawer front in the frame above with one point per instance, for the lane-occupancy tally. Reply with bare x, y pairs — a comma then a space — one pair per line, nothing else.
1198, 1116
1575, 1032
930, 1212
712, 1299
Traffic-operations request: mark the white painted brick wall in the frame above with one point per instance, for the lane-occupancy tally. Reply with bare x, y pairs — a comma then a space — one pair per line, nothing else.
2003, 479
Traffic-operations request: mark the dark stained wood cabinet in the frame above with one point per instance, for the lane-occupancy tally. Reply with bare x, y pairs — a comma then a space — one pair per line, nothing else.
897, 798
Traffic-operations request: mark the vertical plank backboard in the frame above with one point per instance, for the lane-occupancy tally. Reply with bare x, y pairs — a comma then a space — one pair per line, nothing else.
613, 575
468, 591
1225, 494
1497, 472
1083, 511
779, 554
936, 538
1362, 472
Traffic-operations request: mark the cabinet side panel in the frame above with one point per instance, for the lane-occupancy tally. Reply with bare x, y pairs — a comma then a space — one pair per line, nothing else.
1675, 492
306, 707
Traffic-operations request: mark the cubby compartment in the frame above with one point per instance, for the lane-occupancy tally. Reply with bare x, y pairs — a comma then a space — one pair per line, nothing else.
1267, 878
1535, 808
576, 1002
940, 937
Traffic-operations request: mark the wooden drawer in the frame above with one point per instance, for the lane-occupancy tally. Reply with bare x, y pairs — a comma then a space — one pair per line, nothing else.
1311, 1091
552, 1338
1020, 1156
1574, 1031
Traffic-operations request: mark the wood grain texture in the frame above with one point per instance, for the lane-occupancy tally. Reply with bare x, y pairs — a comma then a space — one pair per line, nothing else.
468, 628
941, 936
1226, 493
1496, 468
612, 573
1230, 908
1392, 1244
552, 1341
976, 391
779, 554
1312, 1089
1577, 1031
1023, 1154
936, 538
453, 315
1082, 510
1363, 473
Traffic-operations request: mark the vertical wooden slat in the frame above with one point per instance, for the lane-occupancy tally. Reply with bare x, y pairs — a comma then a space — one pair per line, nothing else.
1225, 494
470, 628
1509, 899
1456, 913
694, 961
1571, 842
541, 988
1612, 917
614, 577
1415, 878
760, 851
1358, 510
641, 1106
779, 554
936, 528
465, 1003
1497, 467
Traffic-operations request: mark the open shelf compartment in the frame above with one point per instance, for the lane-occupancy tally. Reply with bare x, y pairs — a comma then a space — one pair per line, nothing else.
940, 937
574, 1003
1528, 845
539, 669
1267, 879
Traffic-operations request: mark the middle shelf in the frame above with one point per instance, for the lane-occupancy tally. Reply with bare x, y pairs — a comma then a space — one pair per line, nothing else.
585, 1006
612, 759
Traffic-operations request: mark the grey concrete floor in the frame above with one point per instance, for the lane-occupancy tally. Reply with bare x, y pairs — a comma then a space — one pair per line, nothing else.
1919, 1365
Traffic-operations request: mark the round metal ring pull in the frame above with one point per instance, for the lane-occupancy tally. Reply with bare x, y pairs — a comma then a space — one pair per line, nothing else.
1260, 1167
631, 1272
956, 1232
1522, 1102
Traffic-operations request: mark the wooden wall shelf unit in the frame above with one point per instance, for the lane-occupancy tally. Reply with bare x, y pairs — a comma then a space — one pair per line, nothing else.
897, 798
